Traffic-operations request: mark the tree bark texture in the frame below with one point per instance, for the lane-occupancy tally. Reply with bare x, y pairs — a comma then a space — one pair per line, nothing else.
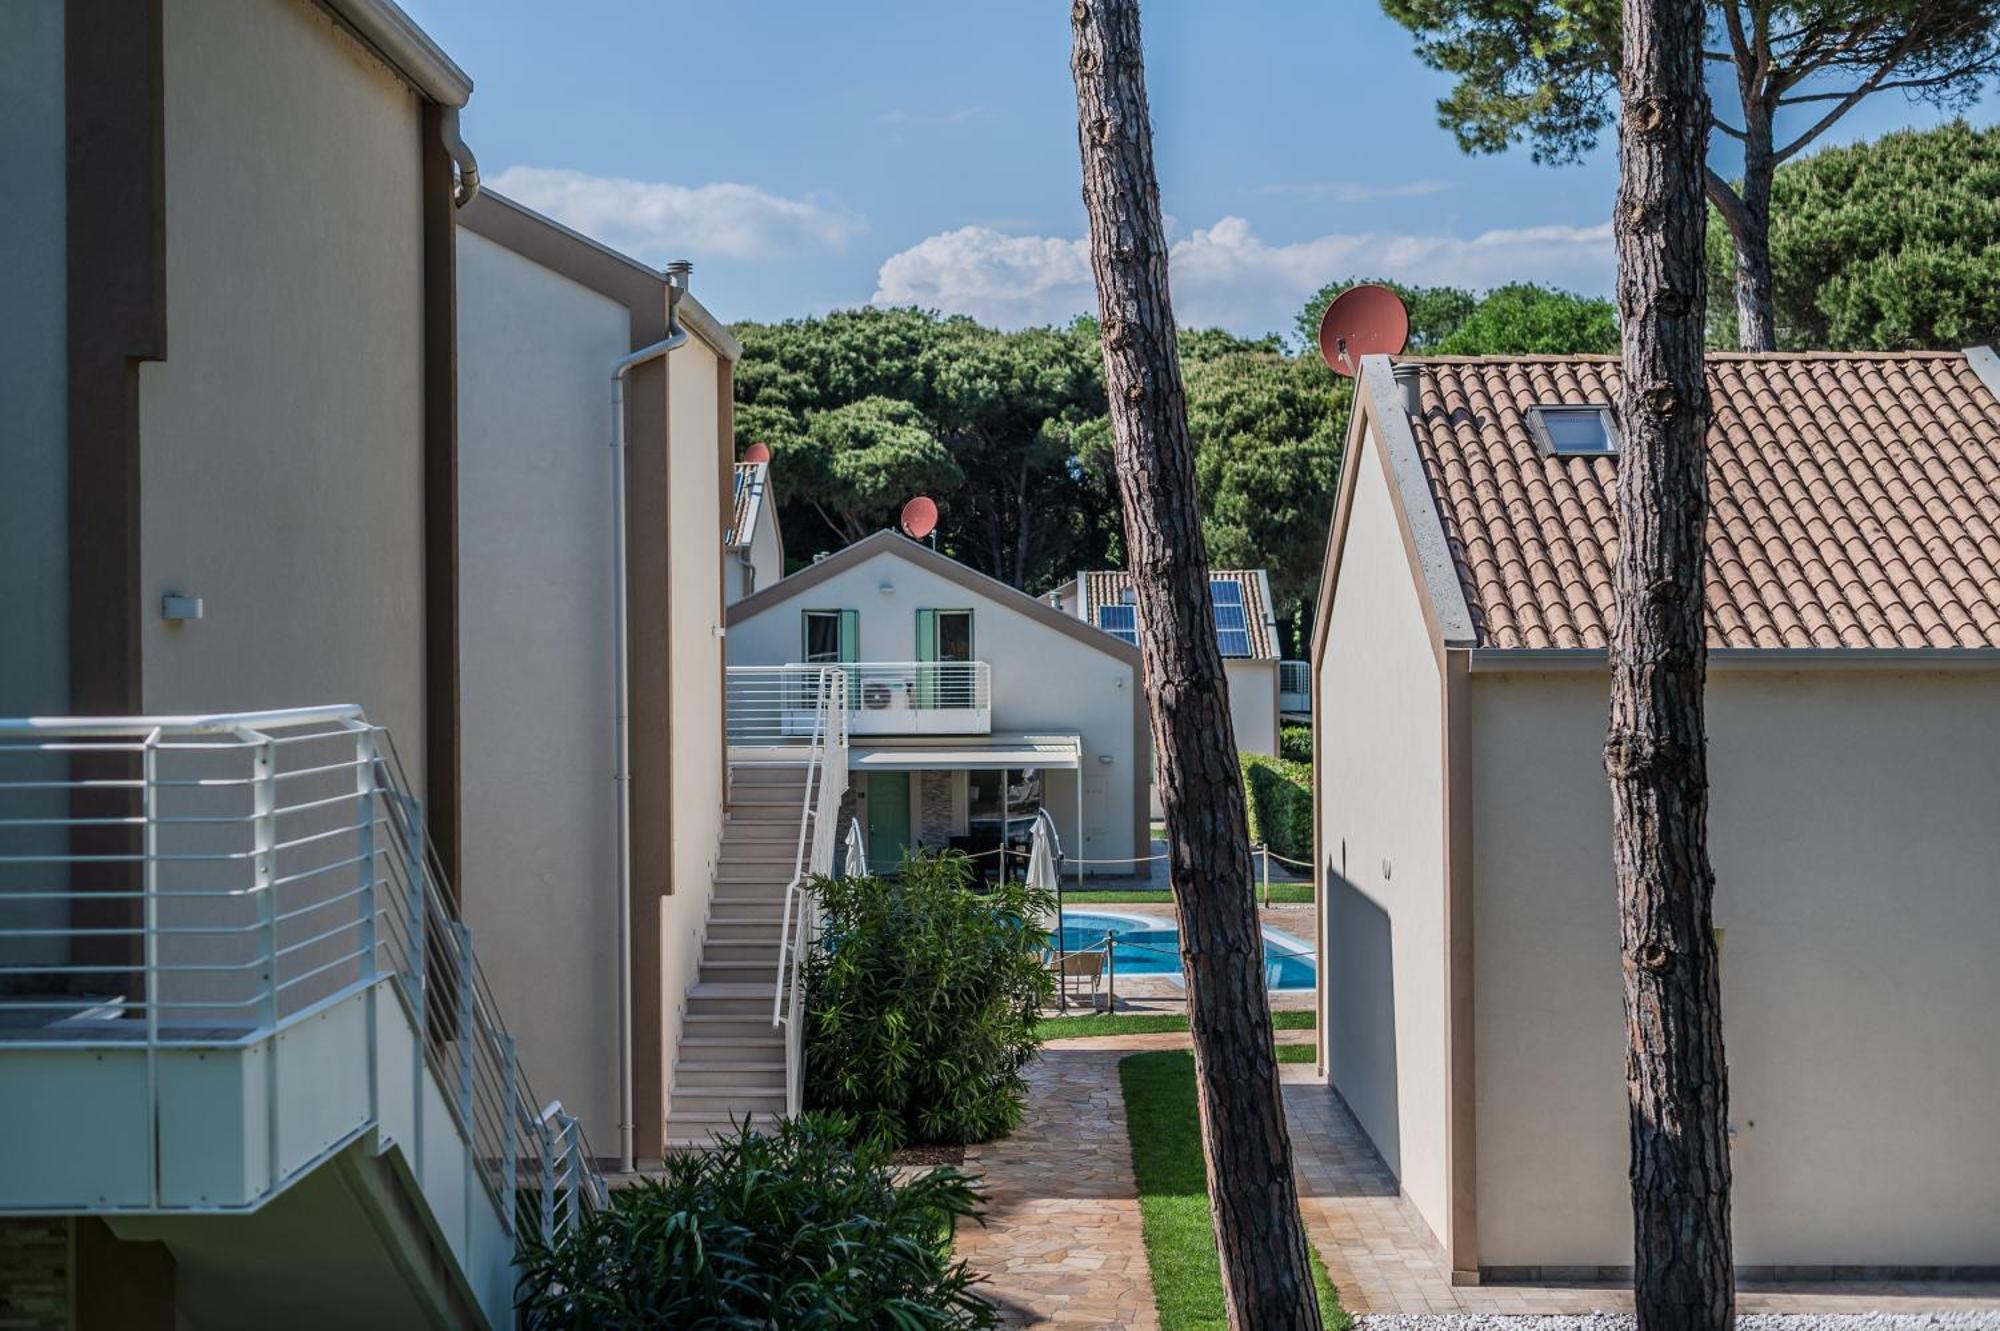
1266, 1277
1655, 753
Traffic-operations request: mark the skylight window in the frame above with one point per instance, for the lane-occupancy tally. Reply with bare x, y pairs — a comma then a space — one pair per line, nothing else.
1585, 430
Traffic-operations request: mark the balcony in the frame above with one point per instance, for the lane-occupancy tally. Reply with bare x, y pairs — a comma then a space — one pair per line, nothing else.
230, 973
779, 705
1295, 688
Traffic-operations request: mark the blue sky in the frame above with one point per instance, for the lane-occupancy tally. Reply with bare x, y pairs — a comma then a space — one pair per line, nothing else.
810, 156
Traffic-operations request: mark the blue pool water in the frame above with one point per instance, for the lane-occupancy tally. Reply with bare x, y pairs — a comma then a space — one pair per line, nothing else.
1146, 945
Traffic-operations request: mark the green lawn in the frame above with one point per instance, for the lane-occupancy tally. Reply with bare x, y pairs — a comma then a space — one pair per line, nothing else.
1147, 1023
1288, 894
1160, 1118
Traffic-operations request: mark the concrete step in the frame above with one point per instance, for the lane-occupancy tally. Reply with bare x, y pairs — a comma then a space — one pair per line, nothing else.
776, 797
775, 853
763, 949
747, 1042
763, 931
687, 1132
722, 1103
737, 909
764, 973
768, 776
725, 1075
773, 876
724, 999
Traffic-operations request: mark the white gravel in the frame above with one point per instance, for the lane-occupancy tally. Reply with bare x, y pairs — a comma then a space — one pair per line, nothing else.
1932, 1321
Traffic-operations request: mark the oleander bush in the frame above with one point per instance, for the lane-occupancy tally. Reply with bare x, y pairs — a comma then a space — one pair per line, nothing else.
804, 1227
1278, 795
921, 1003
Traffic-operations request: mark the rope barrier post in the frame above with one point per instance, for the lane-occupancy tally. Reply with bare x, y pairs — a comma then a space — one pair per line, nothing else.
1266, 848
1110, 973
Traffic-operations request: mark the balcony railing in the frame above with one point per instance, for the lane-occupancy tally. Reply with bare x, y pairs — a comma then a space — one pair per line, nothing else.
226, 944
779, 704
1295, 686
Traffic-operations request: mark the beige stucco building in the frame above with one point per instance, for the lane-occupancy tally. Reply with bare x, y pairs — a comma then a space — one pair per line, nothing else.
1246, 632
1470, 990
972, 703
544, 316
253, 467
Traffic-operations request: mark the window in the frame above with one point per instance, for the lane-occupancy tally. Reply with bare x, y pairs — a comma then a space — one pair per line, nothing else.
944, 635
830, 636
1232, 628
1120, 621
1584, 430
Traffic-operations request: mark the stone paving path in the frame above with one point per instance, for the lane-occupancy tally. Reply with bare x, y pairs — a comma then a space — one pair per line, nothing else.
1380, 1256
1062, 1244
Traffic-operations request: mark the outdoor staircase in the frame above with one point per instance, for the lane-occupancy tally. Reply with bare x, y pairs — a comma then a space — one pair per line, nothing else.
732, 1058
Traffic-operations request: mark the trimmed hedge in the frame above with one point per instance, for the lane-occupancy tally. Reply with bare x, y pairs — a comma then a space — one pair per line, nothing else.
1278, 795
1296, 744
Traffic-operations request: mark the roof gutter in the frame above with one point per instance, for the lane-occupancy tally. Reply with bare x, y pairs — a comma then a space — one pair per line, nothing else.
406, 48
1498, 660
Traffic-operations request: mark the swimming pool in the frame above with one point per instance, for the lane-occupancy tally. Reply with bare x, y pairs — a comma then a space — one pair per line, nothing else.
1151, 945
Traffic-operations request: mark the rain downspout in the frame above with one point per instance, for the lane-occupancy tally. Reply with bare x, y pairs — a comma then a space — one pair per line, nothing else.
467, 187
621, 721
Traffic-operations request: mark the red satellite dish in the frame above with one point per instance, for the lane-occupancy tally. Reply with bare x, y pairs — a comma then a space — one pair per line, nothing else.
919, 517
1367, 320
757, 453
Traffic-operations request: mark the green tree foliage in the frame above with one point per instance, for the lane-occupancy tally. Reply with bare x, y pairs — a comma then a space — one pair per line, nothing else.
1001, 412
805, 1227
1434, 312
1523, 319
1543, 72
922, 1003
1888, 245
1518, 319
865, 457
1267, 433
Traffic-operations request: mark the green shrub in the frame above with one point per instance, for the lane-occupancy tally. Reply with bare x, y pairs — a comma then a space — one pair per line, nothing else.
921, 1006
1295, 743
1278, 796
804, 1227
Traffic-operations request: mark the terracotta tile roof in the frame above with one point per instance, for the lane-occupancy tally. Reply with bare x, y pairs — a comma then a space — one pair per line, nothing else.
746, 491
1108, 586
1855, 501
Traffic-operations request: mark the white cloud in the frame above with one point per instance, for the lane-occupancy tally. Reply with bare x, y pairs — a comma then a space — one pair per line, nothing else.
656, 221
1226, 274
1356, 191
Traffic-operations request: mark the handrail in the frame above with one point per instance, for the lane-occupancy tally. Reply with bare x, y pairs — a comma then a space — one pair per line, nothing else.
793, 887
215, 880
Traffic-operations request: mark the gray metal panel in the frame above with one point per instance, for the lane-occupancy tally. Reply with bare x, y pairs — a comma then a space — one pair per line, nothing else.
1399, 448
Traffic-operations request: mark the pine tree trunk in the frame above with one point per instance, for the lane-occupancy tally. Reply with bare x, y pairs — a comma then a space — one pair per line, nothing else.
1655, 753
1756, 302
1266, 1278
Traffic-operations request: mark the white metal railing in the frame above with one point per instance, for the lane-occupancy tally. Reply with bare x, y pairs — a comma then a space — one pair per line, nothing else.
1294, 686
172, 883
883, 698
801, 712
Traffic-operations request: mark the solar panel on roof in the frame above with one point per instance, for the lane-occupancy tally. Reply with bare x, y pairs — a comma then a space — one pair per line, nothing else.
1120, 621
1226, 591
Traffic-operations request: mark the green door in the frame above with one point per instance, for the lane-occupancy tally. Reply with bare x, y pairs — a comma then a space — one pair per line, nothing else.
888, 820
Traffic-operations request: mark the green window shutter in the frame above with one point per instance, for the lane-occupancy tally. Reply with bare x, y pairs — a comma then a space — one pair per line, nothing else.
850, 636
927, 640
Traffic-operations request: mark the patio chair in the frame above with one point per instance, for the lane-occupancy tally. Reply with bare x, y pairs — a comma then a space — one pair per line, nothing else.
1084, 966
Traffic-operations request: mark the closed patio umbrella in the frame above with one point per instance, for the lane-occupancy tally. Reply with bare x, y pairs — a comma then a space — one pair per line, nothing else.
854, 863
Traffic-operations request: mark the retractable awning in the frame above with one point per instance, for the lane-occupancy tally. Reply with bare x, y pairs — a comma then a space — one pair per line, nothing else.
990, 753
